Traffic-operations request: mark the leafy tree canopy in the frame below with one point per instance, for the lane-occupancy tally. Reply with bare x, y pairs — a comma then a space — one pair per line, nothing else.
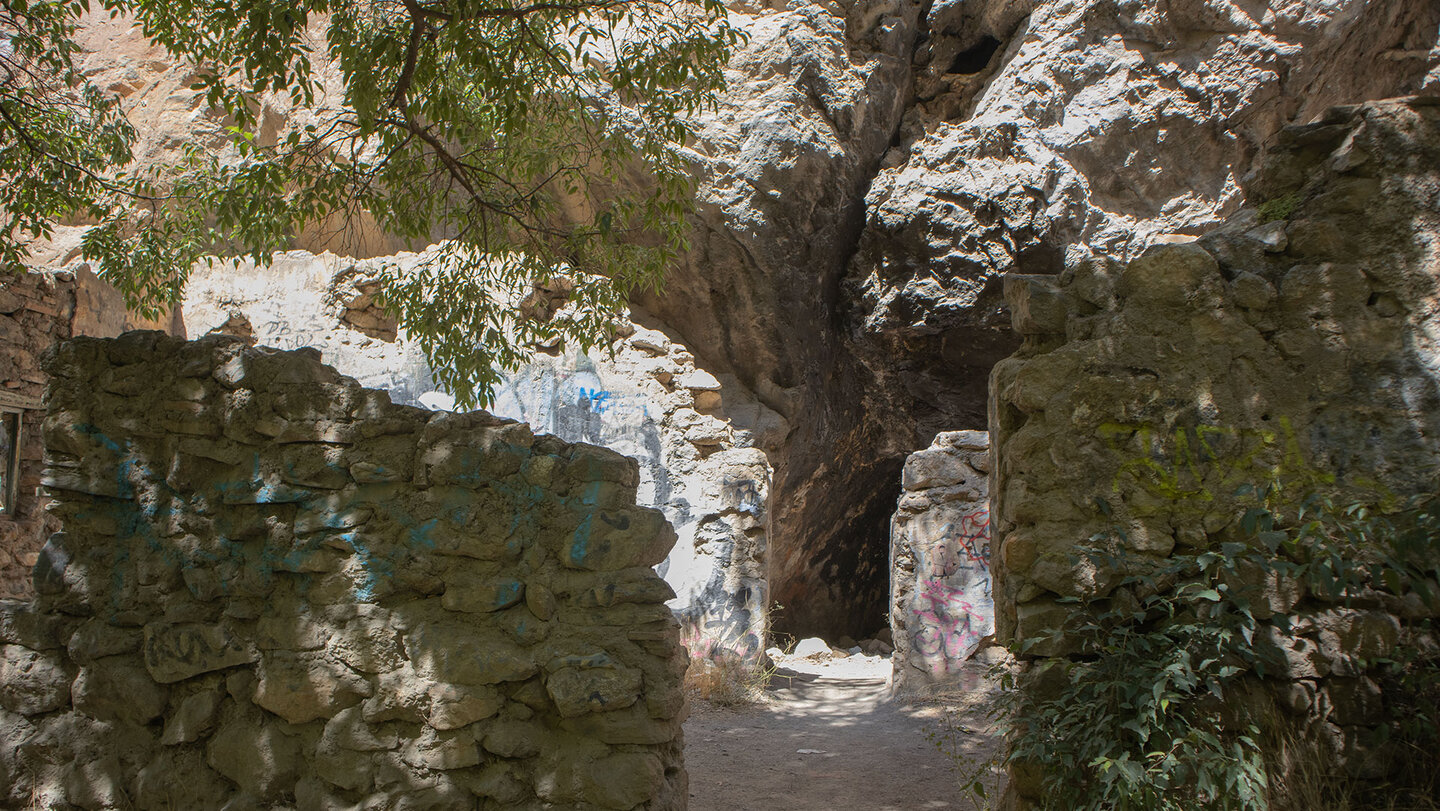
519, 129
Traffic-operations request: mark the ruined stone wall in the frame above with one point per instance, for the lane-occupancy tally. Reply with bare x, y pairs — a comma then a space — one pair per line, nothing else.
37, 309
700, 440
35, 312
275, 588
1301, 350
941, 606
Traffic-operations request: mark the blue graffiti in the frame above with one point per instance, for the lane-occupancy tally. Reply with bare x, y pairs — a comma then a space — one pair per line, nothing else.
596, 400
243, 570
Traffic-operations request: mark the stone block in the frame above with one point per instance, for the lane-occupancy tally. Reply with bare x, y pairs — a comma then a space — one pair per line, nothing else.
33, 682
95, 639
1037, 306
301, 687
609, 540
442, 750
467, 592
22, 624
460, 653
177, 652
255, 754
577, 691
349, 730
623, 780
194, 716
117, 688
453, 706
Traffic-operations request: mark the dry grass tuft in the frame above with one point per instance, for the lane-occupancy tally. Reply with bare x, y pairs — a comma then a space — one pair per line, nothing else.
727, 680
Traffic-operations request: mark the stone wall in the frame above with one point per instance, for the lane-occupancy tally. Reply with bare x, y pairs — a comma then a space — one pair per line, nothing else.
35, 312
941, 607
700, 440
1297, 348
37, 309
276, 588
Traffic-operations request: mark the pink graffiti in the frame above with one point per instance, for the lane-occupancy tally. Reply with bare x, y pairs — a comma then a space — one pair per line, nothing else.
944, 630
947, 625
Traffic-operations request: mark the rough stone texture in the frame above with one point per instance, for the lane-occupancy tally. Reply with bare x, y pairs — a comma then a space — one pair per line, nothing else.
874, 169
234, 618
941, 606
851, 243
37, 309
698, 439
1301, 351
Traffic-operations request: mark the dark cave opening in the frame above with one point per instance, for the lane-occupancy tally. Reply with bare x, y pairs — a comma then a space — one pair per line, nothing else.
976, 58
844, 587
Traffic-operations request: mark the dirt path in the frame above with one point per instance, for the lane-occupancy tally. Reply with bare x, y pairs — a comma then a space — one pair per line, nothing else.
828, 737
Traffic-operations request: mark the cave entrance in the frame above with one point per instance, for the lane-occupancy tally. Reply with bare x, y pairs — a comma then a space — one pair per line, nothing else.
840, 590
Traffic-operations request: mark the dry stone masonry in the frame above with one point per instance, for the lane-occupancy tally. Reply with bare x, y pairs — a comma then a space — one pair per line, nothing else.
276, 588
700, 439
941, 606
1298, 348
872, 171
35, 311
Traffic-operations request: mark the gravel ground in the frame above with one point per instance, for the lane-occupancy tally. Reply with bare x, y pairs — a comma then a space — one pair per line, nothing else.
828, 736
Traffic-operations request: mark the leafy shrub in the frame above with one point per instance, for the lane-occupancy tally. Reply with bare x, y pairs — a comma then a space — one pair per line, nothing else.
1158, 706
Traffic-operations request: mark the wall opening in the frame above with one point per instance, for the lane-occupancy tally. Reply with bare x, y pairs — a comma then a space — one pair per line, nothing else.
9, 459
844, 590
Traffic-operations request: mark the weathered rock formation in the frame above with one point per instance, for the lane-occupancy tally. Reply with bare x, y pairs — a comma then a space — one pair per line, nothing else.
1300, 350
941, 606
276, 588
877, 166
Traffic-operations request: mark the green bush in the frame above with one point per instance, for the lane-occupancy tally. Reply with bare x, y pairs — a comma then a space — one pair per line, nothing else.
1157, 708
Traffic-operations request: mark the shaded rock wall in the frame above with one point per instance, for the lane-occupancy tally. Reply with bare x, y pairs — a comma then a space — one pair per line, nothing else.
941, 605
698, 439
38, 309
877, 167
35, 311
276, 588
1300, 351
873, 171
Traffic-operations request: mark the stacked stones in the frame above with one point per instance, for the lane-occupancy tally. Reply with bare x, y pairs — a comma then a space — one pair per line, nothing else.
276, 588
701, 440
35, 312
1298, 351
941, 606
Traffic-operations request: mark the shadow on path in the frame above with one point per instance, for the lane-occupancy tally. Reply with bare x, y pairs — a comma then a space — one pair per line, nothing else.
821, 742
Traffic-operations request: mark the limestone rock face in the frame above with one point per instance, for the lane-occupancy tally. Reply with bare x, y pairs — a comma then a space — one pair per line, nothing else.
873, 170
1032, 134
700, 439
1043, 129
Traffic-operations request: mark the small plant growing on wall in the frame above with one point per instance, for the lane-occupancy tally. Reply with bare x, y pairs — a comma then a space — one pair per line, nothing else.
1163, 704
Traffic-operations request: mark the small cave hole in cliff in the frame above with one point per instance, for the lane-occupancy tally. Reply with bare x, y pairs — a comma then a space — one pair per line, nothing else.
976, 58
